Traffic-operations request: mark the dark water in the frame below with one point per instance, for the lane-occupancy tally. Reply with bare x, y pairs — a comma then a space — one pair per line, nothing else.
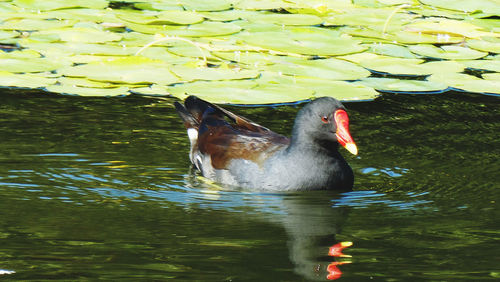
101, 189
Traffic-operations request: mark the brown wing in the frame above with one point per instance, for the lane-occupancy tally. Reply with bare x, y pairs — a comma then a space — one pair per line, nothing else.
224, 143
240, 138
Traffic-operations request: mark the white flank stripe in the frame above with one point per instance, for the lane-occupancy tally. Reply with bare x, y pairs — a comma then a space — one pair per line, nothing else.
192, 134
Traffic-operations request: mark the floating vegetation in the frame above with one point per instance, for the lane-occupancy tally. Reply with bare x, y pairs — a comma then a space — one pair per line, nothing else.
250, 52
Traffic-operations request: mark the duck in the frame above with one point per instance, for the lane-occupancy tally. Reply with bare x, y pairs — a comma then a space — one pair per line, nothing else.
233, 150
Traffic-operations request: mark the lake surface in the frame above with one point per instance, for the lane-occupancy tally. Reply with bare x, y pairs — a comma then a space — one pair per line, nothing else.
101, 188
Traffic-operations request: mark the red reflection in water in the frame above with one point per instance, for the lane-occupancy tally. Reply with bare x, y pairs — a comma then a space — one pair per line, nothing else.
336, 251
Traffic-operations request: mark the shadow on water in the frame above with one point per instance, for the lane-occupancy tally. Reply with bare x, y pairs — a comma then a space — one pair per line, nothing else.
101, 188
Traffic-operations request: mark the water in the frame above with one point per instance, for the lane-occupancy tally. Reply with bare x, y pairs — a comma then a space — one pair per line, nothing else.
101, 188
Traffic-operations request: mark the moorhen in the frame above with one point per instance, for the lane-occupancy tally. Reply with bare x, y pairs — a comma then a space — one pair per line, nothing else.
233, 150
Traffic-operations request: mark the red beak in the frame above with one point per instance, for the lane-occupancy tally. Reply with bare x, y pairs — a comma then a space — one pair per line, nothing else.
343, 136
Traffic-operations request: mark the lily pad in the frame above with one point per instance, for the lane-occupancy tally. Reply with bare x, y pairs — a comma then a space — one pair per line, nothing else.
490, 6
203, 5
229, 15
242, 92
403, 37
285, 19
155, 90
448, 26
341, 90
405, 67
264, 5
35, 24
88, 91
392, 50
82, 82
79, 48
84, 15
164, 17
84, 35
492, 76
492, 45
449, 52
332, 69
490, 65
403, 85
133, 70
24, 65
205, 28
374, 18
253, 59
60, 4
190, 73
311, 41
20, 54
468, 82
8, 34
24, 80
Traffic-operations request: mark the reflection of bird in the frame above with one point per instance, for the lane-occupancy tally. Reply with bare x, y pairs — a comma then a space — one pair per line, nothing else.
233, 150
312, 223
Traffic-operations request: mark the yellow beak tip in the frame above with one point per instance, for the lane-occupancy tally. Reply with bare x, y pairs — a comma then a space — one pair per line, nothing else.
352, 148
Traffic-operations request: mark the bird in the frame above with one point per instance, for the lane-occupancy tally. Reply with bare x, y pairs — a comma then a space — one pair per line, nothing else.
232, 150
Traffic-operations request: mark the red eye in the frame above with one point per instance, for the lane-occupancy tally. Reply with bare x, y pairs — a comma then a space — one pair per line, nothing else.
325, 119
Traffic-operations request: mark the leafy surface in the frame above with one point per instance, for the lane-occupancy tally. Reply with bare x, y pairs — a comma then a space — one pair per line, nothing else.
316, 47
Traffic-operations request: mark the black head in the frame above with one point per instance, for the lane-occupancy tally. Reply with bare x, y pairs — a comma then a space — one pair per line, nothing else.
323, 121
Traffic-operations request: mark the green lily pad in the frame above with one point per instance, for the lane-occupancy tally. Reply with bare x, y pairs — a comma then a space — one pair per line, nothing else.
190, 73
402, 66
24, 80
265, 5
397, 66
468, 82
88, 91
84, 15
490, 65
374, 18
492, 76
203, 5
492, 45
403, 37
449, 52
492, 25
84, 35
229, 15
35, 24
35, 5
466, 6
155, 90
224, 91
332, 69
391, 50
133, 70
20, 54
82, 82
189, 50
285, 19
411, 37
8, 34
448, 26
164, 17
253, 59
58, 49
23, 65
403, 85
310, 41
427, 11
159, 6
341, 90
205, 28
